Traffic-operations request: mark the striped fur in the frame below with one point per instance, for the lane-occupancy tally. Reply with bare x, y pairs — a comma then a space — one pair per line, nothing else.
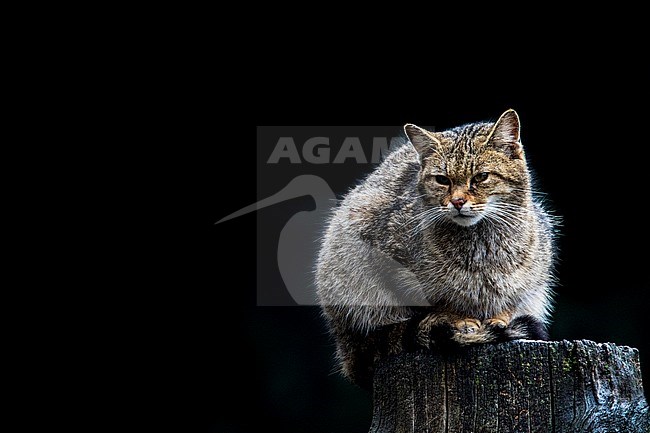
444, 243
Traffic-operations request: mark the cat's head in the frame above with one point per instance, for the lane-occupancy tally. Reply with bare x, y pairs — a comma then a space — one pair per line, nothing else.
473, 171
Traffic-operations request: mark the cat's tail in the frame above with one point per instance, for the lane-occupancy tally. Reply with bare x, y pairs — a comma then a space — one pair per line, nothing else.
520, 328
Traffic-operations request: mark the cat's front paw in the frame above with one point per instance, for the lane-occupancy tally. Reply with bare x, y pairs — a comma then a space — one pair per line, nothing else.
492, 329
467, 326
501, 321
468, 331
440, 328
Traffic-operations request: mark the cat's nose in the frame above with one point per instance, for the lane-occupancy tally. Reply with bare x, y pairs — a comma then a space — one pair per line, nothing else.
458, 202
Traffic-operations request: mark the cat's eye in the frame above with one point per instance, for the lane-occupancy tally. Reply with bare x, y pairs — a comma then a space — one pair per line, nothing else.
442, 180
481, 177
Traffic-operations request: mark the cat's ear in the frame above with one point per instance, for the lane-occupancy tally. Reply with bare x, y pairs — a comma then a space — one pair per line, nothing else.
423, 140
505, 135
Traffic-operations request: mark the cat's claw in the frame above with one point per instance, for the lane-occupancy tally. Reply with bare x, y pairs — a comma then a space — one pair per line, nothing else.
467, 326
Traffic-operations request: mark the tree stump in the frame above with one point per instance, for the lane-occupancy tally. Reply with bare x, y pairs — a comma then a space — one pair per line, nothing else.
519, 386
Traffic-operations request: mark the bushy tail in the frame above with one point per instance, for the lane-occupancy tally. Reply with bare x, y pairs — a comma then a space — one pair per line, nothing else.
521, 328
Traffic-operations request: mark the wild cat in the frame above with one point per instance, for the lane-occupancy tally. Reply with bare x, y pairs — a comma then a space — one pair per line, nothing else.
444, 242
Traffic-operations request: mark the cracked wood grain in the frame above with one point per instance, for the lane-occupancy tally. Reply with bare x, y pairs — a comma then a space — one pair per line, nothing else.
520, 386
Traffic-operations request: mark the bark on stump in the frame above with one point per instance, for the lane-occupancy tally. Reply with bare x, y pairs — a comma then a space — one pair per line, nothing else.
520, 386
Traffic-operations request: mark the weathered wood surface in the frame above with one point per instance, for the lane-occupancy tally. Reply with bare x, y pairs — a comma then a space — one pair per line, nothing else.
520, 386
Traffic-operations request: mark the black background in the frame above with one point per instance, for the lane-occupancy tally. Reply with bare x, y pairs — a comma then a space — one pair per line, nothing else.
583, 137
